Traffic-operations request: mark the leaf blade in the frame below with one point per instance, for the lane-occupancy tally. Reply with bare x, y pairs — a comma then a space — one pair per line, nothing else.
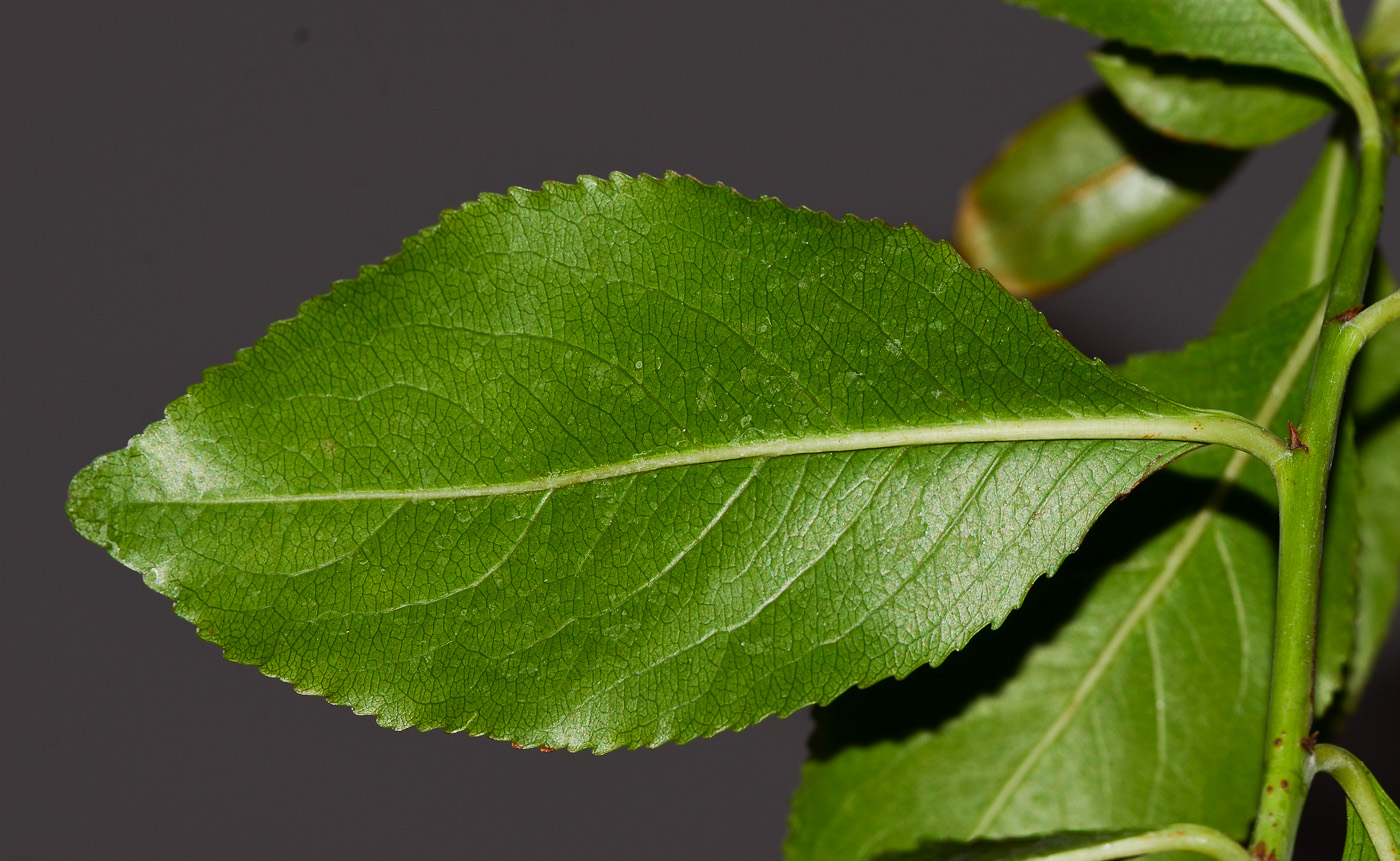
1106, 714
1246, 366
1299, 36
1080, 184
1239, 107
369, 502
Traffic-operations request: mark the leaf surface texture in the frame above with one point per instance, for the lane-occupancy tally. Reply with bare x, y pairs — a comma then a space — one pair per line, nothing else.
1212, 102
620, 463
1306, 37
1118, 703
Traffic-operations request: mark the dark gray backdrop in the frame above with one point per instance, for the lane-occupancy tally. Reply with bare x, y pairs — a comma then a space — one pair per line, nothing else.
178, 175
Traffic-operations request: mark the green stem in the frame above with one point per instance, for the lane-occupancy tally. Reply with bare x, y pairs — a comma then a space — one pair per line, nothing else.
1377, 317
1354, 262
1360, 787
1302, 485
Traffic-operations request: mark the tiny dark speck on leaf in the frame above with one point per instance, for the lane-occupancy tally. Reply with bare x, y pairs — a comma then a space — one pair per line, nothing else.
301, 35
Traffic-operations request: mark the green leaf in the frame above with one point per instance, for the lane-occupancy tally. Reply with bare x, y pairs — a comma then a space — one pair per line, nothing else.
1080, 184
1212, 102
1376, 403
1306, 37
1380, 39
1139, 702
1359, 843
626, 462
1304, 246
1341, 547
1084, 846
1023, 849
1083, 708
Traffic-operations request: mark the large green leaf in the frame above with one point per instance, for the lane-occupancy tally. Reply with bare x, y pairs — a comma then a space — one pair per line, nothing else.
625, 462
1125, 715
1209, 101
1146, 707
1080, 184
1307, 37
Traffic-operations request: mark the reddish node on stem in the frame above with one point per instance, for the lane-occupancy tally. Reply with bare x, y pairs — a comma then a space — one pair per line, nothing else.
1295, 441
1310, 743
1347, 314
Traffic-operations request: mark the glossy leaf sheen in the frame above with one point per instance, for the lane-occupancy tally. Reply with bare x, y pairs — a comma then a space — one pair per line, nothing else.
401, 499
1212, 102
1080, 184
1248, 32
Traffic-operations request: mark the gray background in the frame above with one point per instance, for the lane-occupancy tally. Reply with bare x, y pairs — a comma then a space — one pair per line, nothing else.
178, 175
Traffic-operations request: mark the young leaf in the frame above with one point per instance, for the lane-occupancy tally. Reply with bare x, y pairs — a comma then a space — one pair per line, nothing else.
1306, 37
1212, 102
1376, 396
1303, 248
626, 462
1338, 597
1380, 40
1080, 184
1146, 707
1300, 254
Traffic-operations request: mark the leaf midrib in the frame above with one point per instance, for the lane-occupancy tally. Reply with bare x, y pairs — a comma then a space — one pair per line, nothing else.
1342, 76
1202, 427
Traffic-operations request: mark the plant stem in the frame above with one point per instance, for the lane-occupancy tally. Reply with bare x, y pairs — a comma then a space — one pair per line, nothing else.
1302, 485
1354, 262
1357, 783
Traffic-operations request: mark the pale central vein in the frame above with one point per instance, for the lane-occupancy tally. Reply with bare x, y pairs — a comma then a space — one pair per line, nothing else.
1268, 410
1205, 427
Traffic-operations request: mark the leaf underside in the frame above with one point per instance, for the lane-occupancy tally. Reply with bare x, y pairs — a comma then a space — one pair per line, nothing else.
1247, 32
1117, 702
569, 470
1140, 699
1211, 102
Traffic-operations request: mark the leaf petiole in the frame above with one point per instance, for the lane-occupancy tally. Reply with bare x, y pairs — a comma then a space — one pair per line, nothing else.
1356, 781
